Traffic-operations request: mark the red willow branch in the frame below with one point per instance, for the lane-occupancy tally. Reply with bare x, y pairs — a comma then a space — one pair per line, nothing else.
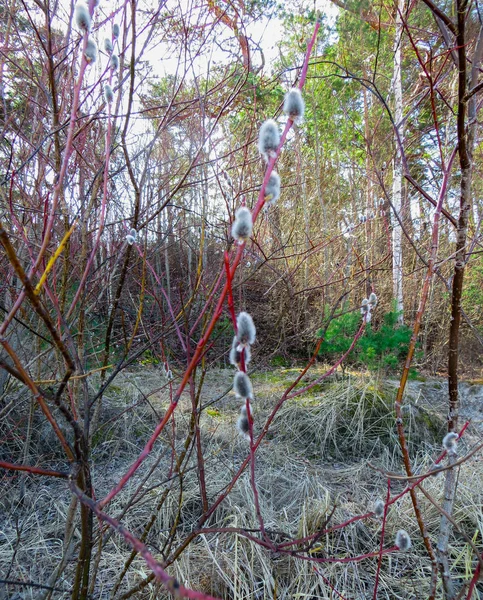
346, 559
412, 348
327, 582
473, 582
170, 583
259, 440
143, 256
383, 529
58, 184
34, 470
34, 299
37, 396
436, 471
219, 307
231, 306
389, 502
253, 480
107, 159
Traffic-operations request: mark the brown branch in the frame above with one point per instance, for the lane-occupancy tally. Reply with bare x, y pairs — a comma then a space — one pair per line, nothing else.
440, 14
35, 470
470, 93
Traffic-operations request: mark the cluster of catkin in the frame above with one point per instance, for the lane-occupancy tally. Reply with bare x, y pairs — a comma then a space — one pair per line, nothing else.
240, 354
268, 145
368, 304
83, 19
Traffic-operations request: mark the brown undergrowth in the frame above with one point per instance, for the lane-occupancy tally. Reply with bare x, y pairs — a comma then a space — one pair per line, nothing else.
314, 462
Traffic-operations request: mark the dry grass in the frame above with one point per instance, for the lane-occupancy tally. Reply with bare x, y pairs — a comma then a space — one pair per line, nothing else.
314, 458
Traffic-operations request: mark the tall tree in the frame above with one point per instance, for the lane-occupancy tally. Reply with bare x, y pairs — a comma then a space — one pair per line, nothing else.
397, 188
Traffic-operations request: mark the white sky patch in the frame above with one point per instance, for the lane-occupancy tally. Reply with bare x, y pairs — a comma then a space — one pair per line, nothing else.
264, 34
165, 54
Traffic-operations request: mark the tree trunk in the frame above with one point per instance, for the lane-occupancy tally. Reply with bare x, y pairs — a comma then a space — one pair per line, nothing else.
466, 125
397, 257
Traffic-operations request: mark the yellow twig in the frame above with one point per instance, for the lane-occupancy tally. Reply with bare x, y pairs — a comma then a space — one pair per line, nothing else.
53, 258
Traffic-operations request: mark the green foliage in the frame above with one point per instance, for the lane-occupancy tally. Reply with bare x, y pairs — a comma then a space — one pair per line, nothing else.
149, 359
384, 348
279, 361
473, 291
213, 412
340, 334
388, 346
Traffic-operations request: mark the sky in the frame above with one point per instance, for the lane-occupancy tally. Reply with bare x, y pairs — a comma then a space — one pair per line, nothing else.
265, 33
258, 31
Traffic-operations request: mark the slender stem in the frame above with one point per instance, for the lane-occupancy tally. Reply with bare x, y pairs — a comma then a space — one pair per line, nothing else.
383, 529
34, 470
217, 312
170, 583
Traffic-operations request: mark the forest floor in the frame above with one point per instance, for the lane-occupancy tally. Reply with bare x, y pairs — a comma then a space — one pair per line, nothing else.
322, 451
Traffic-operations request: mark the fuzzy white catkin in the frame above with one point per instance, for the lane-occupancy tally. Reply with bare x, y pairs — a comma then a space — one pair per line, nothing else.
227, 178
364, 306
108, 93
403, 541
242, 424
268, 139
242, 226
242, 385
114, 62
115, 31
243, 409
108, 45
272, 190
235, 354
91, 51
82, 16
131, 237
246, 331
379, 508
294, 105
373, 299
449, 441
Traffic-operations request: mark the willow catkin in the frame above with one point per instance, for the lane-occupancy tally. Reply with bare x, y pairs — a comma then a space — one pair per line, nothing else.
268, 139
242, 385
246, 331
294, 105
82, 16
272, 190
242, 225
